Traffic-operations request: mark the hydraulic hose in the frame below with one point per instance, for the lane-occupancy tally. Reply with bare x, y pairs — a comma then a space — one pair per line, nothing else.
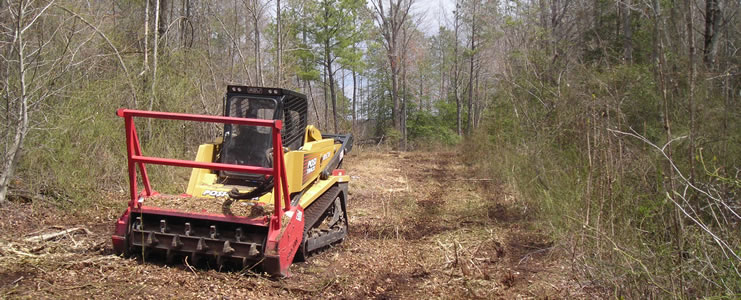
260, 190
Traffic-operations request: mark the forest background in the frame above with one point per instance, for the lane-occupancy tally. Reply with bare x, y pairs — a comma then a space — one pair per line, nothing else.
615, 121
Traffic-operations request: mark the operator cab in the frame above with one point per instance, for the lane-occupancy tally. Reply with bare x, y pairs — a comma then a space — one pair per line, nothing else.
252, 145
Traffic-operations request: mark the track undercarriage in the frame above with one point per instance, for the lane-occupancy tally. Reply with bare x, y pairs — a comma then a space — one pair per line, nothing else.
326, 223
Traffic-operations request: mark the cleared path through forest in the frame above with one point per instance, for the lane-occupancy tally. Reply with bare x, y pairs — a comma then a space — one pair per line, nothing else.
420, 227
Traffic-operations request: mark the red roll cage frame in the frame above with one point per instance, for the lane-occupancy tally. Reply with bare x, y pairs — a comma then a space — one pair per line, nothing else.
136, 158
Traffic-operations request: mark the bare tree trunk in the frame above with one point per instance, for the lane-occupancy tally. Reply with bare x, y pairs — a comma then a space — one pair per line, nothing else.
278, 46
691, 80
255, 10
154, 67
361, 95
169, 17
258, 54
154, 52
184, 23
146, 40
712, 24
11, 158
455, 71
326, 100
469, 123
404, 99
162, 25
330, 74
627, 32
395, 94
478, 106
443, 91
313, 100
234, 44
354, 97
544, 16
421, 91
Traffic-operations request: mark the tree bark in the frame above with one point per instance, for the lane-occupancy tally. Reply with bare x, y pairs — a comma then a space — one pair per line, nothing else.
469, 123
354, 97
330, 74
404, 94
153, 98
184, 22
627, 32
313, 101
234, 45
326, 100
278, 46
455, 72
11, 158
256, 11
162, 9
443, 91
691, 81
712, 32
422, 105
146, 40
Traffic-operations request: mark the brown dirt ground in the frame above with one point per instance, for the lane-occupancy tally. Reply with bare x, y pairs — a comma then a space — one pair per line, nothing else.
420, 228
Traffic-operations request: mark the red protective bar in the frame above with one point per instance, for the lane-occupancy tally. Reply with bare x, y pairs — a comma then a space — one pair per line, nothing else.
201, 165
197, 118
280, 186
282, 173
135, 156
142, 168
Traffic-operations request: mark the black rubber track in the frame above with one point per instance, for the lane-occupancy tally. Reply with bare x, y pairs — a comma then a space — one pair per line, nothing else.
314, 212
317, 209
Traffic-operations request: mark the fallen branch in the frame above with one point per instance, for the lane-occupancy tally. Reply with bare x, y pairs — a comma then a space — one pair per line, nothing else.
45, 228
527, 256
51, 236
380, 141
16, 281
21, 253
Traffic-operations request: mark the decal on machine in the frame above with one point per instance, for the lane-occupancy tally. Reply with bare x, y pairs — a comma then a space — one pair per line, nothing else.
326, 156
311, 163
214, 193
310, 166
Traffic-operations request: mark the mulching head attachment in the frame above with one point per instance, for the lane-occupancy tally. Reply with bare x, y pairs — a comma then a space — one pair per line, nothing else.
271, 241
237, 244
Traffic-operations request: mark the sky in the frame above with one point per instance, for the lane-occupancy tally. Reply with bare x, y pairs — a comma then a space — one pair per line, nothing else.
433, 12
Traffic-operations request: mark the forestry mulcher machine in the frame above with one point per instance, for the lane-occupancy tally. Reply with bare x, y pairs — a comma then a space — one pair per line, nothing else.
268, 160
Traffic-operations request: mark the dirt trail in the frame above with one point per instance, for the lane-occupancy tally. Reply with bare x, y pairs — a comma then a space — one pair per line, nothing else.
420, 228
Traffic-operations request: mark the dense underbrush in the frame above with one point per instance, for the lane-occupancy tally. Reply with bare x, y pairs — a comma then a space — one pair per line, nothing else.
641, 218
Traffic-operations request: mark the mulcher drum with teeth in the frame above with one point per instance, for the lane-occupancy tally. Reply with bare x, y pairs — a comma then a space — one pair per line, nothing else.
268, 192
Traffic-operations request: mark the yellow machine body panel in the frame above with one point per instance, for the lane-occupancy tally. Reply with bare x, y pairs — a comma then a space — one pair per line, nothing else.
303, 168
199, 177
